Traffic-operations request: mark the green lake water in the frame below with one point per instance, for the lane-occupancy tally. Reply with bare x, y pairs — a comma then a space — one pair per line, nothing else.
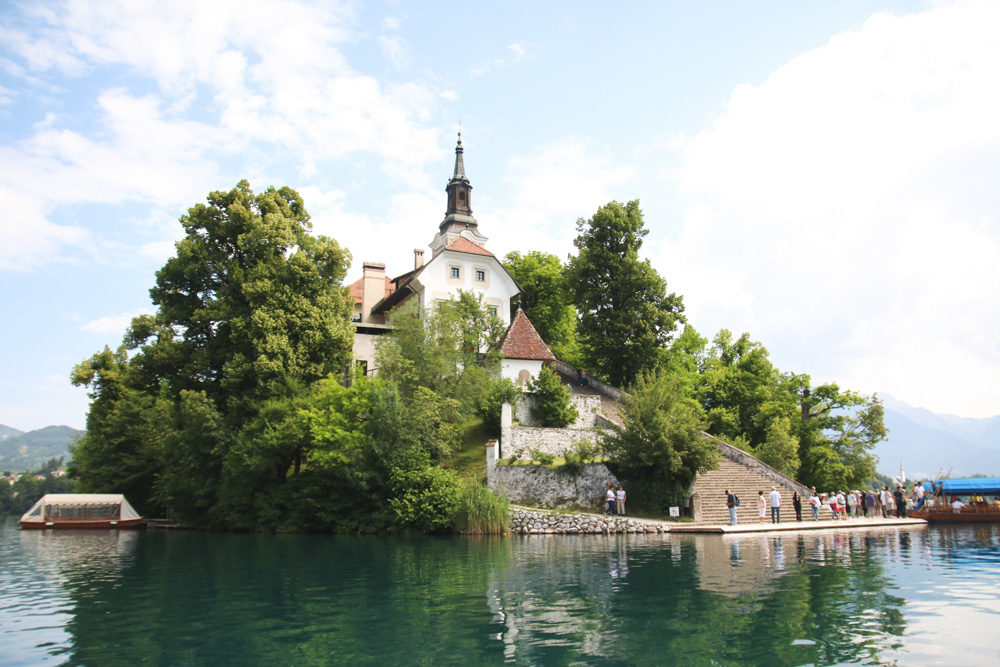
891, 596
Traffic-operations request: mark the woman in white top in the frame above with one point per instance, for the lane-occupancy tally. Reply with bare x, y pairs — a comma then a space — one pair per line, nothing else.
761, 505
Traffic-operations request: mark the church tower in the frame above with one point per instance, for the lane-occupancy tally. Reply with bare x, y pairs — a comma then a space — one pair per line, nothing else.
458, 220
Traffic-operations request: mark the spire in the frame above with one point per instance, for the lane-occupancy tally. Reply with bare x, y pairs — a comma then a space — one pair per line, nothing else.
459, 162
459, 190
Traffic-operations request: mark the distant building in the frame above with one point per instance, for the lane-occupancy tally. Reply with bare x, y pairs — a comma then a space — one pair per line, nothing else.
458, 260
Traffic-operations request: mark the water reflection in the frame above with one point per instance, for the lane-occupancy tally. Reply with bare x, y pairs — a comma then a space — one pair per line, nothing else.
822, 597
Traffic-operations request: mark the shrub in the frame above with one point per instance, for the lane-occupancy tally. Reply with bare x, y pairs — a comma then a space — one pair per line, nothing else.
424, 499
544, 458
490, 404
481, 511
552, 407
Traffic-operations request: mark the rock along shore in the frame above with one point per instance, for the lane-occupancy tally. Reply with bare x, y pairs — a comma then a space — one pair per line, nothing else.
528, 522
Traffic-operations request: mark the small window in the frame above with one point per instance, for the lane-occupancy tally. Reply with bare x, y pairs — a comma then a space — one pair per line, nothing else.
480, 276
455, 272
461, 196
491, 310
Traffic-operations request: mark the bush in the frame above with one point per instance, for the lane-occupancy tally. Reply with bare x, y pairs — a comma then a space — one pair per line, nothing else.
584, 451
481, 511
490, 404
425, 499
544, 458
552, 407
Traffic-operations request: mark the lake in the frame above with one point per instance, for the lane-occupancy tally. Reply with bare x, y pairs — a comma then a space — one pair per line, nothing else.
888, 596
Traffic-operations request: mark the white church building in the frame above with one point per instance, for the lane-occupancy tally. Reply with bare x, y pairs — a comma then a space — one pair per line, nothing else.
459, 260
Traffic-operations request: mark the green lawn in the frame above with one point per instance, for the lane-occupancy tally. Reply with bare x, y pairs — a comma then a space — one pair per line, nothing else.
469, 458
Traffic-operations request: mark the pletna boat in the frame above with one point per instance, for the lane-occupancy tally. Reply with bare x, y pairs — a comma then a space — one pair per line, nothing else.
81, 510
972, 499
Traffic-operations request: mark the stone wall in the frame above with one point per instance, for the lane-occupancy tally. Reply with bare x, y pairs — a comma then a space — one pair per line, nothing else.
544, 487
593, 383
588, 409
526, 522
555, 441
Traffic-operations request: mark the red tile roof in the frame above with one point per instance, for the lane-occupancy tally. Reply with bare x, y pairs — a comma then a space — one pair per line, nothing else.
462, 244
358, 287
522, 341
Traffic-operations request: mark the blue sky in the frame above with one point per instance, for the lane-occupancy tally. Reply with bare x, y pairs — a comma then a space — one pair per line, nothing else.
822, 175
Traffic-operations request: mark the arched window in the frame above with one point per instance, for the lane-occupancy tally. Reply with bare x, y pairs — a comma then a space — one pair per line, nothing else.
524, 377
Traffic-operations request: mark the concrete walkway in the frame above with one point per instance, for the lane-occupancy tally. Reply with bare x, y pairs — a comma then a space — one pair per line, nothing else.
850, 524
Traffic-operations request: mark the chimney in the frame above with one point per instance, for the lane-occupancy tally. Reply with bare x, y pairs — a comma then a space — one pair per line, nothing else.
373, 288
418, 258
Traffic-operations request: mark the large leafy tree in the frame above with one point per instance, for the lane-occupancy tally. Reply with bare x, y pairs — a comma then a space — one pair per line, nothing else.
249, 310
546, 300
626, 314
660, 446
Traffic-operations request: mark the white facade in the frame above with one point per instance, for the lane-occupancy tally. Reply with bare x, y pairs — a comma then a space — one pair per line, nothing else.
521, 371
482, 275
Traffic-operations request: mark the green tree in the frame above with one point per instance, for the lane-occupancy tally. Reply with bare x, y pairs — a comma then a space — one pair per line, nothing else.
251, 309
546, 300
660, 444
551, 400
626, 315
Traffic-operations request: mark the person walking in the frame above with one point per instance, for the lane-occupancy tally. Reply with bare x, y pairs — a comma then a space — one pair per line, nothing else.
885, 502
900, 497
761, 505
620, 500
814, 503
731, 501
775, 505
797, 505
852, 504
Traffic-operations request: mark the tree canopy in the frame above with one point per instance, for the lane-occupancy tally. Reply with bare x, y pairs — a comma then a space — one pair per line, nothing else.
546, 301
626, 314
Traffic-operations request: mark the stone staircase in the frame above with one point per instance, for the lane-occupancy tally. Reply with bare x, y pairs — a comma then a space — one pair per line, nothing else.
744, 475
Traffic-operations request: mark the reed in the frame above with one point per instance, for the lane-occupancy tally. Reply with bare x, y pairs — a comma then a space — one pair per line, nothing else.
480, 511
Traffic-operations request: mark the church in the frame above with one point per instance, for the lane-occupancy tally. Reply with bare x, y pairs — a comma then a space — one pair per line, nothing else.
459, 261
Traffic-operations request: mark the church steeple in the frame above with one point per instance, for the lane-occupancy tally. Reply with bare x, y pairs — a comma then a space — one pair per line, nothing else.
458, 220
459, 189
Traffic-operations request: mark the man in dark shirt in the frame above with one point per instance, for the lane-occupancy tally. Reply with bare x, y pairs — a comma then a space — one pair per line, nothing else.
900, 499
731, 504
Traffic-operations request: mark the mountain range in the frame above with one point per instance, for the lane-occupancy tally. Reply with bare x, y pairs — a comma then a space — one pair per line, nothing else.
924, 443
21, 451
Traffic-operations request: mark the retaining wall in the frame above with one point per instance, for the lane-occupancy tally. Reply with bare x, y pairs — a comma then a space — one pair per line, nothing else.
526, 522
588, 409
544, 487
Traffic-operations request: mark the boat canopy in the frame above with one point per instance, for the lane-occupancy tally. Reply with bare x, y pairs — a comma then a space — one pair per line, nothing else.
967, 486
80, 506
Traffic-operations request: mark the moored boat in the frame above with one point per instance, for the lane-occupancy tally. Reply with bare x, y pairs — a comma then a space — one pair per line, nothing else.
81, 510
973, 499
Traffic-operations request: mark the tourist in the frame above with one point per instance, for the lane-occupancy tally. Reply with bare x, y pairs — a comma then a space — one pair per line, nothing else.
884, 497
814, 503
775, 505
611, 500
797, 505
620, 498
900, 497
918, 494
832, 504
731, 504
957, 505
842, 504
761, 506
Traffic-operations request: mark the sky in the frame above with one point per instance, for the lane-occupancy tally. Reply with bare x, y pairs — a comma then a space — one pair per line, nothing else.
820, 175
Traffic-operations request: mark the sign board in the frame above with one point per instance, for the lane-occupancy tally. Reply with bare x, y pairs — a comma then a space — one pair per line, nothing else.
675, 511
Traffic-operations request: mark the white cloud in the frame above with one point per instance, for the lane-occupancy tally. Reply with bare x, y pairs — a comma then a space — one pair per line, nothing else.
845, 210
113, 326
551, 188
515, 53
236, 82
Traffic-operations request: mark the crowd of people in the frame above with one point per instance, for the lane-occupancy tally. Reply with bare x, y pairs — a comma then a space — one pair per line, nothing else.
836, 505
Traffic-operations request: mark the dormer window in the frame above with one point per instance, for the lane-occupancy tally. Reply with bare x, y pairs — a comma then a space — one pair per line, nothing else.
454, 272
480, 276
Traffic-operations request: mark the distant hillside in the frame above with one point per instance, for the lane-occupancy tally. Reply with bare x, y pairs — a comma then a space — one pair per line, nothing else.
8, 432
926, 442
27, 451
